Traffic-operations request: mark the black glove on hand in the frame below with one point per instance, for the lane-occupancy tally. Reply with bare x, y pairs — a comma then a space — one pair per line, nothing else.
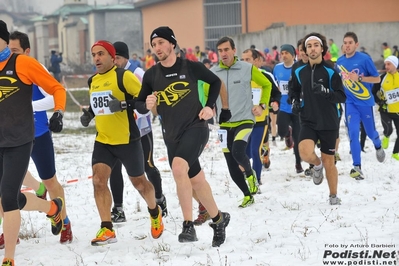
115, 105
86, 118
321, 90
296, 107
56, 124
381, 103
225, 116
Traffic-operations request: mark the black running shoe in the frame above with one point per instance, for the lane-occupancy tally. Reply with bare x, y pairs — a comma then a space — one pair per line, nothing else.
308, 172
118, 215
219, 229
188, 234
162, 203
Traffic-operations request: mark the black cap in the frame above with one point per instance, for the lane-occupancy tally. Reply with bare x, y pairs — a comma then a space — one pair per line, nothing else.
4, 34
121, 49
163, 32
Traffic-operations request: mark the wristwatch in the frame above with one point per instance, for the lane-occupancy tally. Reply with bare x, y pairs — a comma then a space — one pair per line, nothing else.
360, 79
123, 105
263, 106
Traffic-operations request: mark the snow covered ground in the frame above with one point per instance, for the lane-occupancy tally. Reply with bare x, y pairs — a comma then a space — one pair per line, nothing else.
291, 222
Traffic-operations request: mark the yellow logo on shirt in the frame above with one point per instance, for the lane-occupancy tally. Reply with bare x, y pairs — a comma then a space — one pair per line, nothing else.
7, 91
355, 87
174, 93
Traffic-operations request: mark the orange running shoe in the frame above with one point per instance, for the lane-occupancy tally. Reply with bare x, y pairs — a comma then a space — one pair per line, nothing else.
157, 225
104, 236
8, 262
56, 221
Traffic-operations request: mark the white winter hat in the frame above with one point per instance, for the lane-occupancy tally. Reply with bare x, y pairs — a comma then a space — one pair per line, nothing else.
393, 59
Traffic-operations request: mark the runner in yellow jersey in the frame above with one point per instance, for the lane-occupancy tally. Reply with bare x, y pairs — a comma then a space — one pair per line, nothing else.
118, 138
386, 95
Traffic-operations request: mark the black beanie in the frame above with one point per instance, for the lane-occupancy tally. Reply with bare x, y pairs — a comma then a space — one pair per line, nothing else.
163, 32
4, 34
289, 48
121, 49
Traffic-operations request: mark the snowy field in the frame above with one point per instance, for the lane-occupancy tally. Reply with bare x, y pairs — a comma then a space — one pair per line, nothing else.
291, 222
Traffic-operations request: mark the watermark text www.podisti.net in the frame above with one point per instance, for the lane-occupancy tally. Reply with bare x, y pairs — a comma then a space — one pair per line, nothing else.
360, 254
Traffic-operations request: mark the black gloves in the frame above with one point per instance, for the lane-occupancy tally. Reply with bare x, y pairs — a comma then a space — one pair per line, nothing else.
381, 102
225, 116
296, 107
115, 105
86, 118
55, 123
321, 90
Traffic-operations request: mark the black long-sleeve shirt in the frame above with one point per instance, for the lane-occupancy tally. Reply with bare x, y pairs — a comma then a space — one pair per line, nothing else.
180, 94
318, 111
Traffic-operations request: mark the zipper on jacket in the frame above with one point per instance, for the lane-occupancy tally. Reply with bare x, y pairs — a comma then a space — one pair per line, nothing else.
227, 87
311, 77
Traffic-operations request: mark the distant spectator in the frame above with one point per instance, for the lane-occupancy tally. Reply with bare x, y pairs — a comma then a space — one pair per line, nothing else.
154, 58
275, 55
386, 50
363, 50
181, 53
395, 51
327, 56
148, 60
212, 55
334, 50
134, 61
190, 55
207, 63
55, 61
199, 54
268, 62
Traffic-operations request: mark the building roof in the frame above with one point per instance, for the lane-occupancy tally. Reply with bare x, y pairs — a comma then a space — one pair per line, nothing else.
144, 3
71, 9
38, 18
83, 9
113, 7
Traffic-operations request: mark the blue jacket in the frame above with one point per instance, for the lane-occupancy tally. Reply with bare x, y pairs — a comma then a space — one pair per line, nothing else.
55, 61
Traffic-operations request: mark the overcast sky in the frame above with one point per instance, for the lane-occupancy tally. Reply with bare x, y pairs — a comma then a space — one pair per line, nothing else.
48, 6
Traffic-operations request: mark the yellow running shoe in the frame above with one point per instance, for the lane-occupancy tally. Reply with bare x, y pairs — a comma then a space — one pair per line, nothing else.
252, 183
157, 225
248, 200
395, 156
104, 236
385, 142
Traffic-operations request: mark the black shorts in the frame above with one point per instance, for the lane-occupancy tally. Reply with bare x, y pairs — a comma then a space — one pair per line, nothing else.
189, 147
131, 156
14, 162
327, 138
